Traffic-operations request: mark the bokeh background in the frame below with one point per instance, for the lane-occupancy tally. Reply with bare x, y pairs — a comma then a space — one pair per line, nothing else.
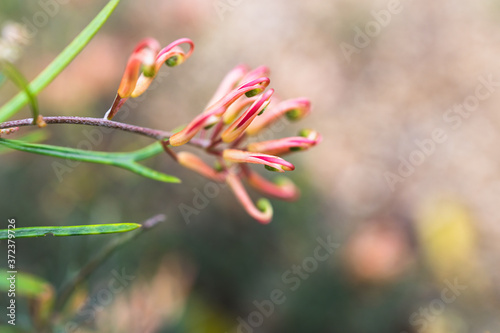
415, 218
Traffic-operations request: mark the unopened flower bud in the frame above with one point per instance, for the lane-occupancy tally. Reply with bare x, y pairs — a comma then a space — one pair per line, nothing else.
240, 125
240, 156
235, 109
285, 145
142, 67
282, 188
294, 109
196, 164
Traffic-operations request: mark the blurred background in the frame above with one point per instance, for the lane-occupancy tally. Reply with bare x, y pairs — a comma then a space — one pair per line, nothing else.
404, 186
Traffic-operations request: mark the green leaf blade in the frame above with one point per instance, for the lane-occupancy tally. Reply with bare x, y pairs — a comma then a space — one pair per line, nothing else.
63, 152
143, 153
125, 161
150, 173
31, 137
78, 230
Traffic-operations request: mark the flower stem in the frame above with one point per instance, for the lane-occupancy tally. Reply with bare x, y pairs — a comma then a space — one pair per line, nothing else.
99, 122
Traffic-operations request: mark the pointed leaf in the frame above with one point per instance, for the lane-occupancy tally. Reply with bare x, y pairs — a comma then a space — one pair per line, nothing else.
122, 160
76, 230
35, 136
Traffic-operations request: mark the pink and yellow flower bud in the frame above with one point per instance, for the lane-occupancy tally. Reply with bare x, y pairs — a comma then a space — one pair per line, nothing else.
283, 188
257, 85
142, 56
285, 145
196, 164
272, 163
240, 125
229, 82
171, 55
236, 108
261, 71
213, 113
311, 135
263, 212
293, 109
142, 67
188, 132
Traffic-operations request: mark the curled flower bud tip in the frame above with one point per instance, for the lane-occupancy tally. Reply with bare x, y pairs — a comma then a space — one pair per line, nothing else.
293, 109
264, 205
172, 61
240, 125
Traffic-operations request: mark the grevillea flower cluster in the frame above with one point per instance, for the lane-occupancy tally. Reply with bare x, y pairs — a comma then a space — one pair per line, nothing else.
238, 110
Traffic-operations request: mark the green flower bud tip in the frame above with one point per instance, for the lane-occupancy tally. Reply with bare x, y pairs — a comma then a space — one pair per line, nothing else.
264, 205
305, 133
264, 109
270, 168
209, 126
172, 61
293, 114
253, 92
148, 71
218, 166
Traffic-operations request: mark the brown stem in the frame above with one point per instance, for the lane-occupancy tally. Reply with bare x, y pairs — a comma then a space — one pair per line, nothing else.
168, 150
149, 132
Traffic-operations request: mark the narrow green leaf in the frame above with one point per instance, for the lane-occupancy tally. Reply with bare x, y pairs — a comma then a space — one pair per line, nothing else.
76, 230
35, 136
150, 173
26, 284
60, 62
64, 152
20, 81
144, 153
122, 160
